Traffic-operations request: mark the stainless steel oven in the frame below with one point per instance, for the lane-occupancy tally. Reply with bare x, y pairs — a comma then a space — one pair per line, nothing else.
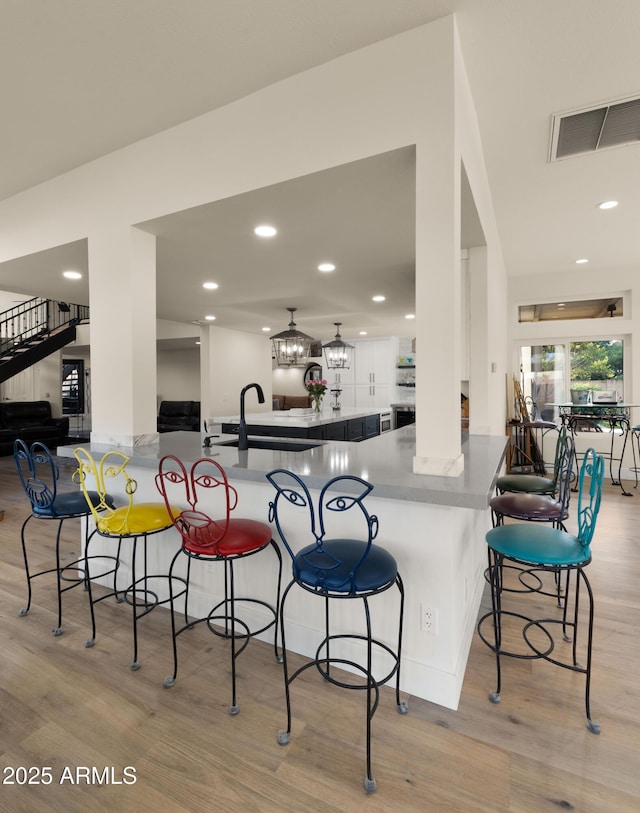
386, 421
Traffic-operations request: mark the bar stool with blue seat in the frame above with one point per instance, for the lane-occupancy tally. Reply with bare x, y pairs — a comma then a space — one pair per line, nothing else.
130, 520
210, 533
39, 476
339, 567
520, 554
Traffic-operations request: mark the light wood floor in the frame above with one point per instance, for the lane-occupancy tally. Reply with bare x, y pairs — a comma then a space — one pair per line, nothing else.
67, 707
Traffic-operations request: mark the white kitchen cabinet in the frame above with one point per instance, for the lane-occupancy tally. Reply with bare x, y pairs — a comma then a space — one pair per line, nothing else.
372, 395
370, 381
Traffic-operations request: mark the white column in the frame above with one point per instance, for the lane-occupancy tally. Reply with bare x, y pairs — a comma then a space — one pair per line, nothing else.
483, 371
438, 307
122, 298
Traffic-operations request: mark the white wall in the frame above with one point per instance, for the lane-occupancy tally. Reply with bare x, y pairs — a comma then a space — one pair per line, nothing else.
232, 359
289, 380
178, 375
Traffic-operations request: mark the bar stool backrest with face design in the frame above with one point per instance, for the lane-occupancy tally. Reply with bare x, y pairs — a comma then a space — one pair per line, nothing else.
40, 478
210, 533
128, 520
336, 568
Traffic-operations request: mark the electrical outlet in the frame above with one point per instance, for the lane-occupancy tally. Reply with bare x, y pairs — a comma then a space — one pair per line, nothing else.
428, 619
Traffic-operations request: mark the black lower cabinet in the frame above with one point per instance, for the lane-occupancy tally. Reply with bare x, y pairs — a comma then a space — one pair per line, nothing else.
353, 429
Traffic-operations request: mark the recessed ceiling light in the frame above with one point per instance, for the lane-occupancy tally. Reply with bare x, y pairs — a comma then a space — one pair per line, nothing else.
210, 286
210, 318
410, 316
265, 231
378, 298
582, 261
266, 329
326, 267
197, 342
72, 274
608, 204
363, 332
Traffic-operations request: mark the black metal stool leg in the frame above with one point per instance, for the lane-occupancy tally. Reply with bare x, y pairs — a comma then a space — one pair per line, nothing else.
285, 735
233, 709
58, 629
402, 706
495, 576
277, 604
370, 784
25, 610
135, 665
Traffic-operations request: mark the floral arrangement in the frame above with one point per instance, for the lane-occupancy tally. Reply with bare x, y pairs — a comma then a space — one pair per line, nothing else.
316, 388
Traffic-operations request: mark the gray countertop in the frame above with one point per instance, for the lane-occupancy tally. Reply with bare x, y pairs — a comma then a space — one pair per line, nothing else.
385, 461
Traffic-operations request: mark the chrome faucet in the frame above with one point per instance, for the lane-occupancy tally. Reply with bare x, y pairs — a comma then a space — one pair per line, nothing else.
242, 426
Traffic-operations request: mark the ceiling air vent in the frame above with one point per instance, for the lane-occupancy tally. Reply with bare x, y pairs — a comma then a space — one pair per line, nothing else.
616, 124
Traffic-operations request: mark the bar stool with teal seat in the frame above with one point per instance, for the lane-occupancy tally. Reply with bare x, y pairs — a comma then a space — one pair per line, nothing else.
520, 555
130, 520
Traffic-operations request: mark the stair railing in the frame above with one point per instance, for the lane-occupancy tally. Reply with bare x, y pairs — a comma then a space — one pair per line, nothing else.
36, 318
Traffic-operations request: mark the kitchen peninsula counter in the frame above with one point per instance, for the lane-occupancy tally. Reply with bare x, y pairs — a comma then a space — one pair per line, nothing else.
385, 460
435, 528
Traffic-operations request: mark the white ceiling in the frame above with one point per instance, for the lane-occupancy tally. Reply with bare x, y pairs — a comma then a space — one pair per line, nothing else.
82, 79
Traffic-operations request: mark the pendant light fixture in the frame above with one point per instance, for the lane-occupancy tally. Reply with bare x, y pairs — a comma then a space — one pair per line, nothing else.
338, 354
291, 346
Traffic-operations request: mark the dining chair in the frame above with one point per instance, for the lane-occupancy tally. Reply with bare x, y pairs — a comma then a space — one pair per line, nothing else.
210, 534
40, 478
338, 568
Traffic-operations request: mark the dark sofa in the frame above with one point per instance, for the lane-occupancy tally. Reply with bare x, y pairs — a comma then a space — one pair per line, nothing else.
30, 421
176, 416
292, 401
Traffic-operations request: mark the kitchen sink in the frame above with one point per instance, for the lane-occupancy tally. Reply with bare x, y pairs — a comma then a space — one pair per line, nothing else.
276, 444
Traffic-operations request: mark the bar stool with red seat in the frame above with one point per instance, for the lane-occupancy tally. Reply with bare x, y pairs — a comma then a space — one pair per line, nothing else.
210, 534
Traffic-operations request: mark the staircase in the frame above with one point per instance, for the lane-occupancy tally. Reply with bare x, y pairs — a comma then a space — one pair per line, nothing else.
33, 330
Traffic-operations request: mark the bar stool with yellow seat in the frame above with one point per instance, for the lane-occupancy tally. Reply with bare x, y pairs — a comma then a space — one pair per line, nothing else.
129, 520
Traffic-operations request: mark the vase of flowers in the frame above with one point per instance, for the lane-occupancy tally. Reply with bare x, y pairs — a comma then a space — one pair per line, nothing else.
316, 389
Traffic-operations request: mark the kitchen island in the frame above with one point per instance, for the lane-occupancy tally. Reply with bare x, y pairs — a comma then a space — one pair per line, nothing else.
348, 423
434, 526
